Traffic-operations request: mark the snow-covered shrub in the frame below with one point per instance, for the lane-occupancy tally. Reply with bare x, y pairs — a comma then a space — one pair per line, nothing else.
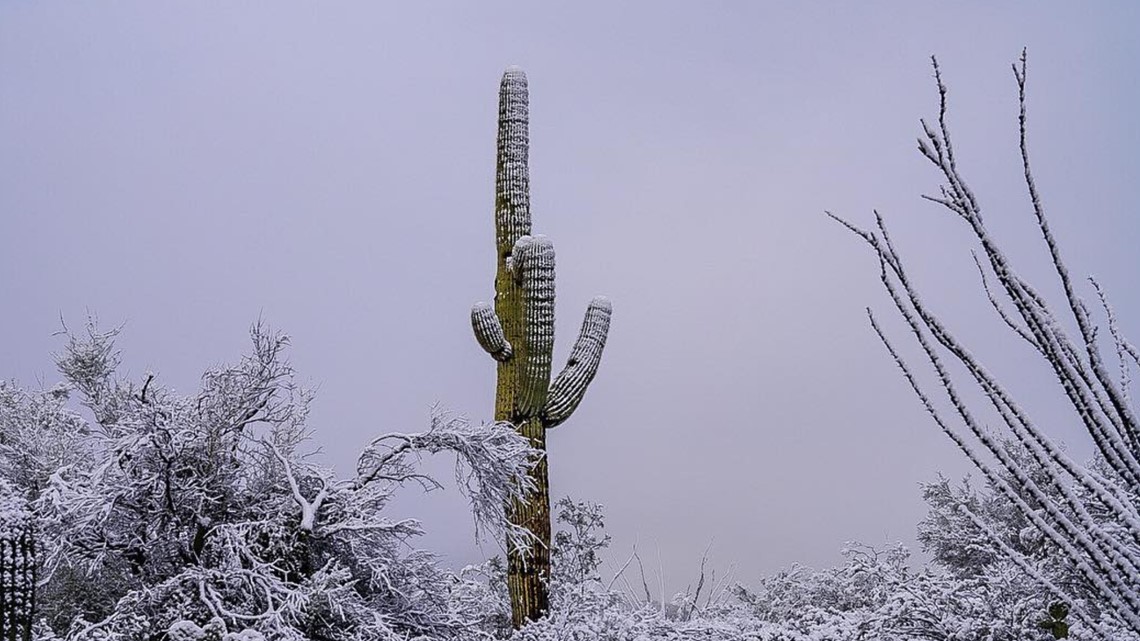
973, 535
169, 516
586, 606
581, 606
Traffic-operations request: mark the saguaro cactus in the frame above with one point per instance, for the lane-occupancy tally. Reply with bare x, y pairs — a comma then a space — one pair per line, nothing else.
518, 332
17, 567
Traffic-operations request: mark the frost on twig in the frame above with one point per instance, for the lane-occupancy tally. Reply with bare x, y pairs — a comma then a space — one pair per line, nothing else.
492, 462
1092, 518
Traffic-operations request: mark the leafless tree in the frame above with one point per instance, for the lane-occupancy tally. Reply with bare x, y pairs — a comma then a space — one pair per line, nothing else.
189, 510
1090, 512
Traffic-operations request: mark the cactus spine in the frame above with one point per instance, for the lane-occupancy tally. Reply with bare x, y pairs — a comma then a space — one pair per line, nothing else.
518, 332
17, 567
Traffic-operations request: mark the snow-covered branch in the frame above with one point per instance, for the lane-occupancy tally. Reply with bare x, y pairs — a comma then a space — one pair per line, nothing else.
1092, 518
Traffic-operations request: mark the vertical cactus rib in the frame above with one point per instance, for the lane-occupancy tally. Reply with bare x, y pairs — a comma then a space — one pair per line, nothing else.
512, 221
570, 386
519, 334
529, 572
17, 567
534, 268
512, 176
489, 332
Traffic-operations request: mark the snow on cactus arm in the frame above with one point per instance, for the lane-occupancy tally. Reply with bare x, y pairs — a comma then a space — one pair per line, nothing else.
489, 332
534, 264
570, 386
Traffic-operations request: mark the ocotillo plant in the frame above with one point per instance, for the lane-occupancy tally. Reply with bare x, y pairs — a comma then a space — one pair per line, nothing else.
518, 332
17, 568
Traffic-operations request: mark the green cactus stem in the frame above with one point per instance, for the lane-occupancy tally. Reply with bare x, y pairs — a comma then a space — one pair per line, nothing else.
570, 386
518, 332
489, 332
17, 567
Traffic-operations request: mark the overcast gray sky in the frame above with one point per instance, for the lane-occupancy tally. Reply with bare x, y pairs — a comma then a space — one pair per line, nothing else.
186, 168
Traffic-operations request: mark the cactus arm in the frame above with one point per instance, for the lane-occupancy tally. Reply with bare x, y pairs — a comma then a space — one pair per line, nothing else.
533, 259
570, 385
489, 332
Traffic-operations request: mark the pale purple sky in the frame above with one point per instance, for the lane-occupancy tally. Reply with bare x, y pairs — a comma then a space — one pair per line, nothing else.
186, 168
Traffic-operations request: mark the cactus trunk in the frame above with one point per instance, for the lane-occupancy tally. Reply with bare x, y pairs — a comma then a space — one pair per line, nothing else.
17, 570
528, 573
519, 334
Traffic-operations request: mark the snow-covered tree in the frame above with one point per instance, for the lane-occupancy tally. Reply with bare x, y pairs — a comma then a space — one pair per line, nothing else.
1090, 513
161, 515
